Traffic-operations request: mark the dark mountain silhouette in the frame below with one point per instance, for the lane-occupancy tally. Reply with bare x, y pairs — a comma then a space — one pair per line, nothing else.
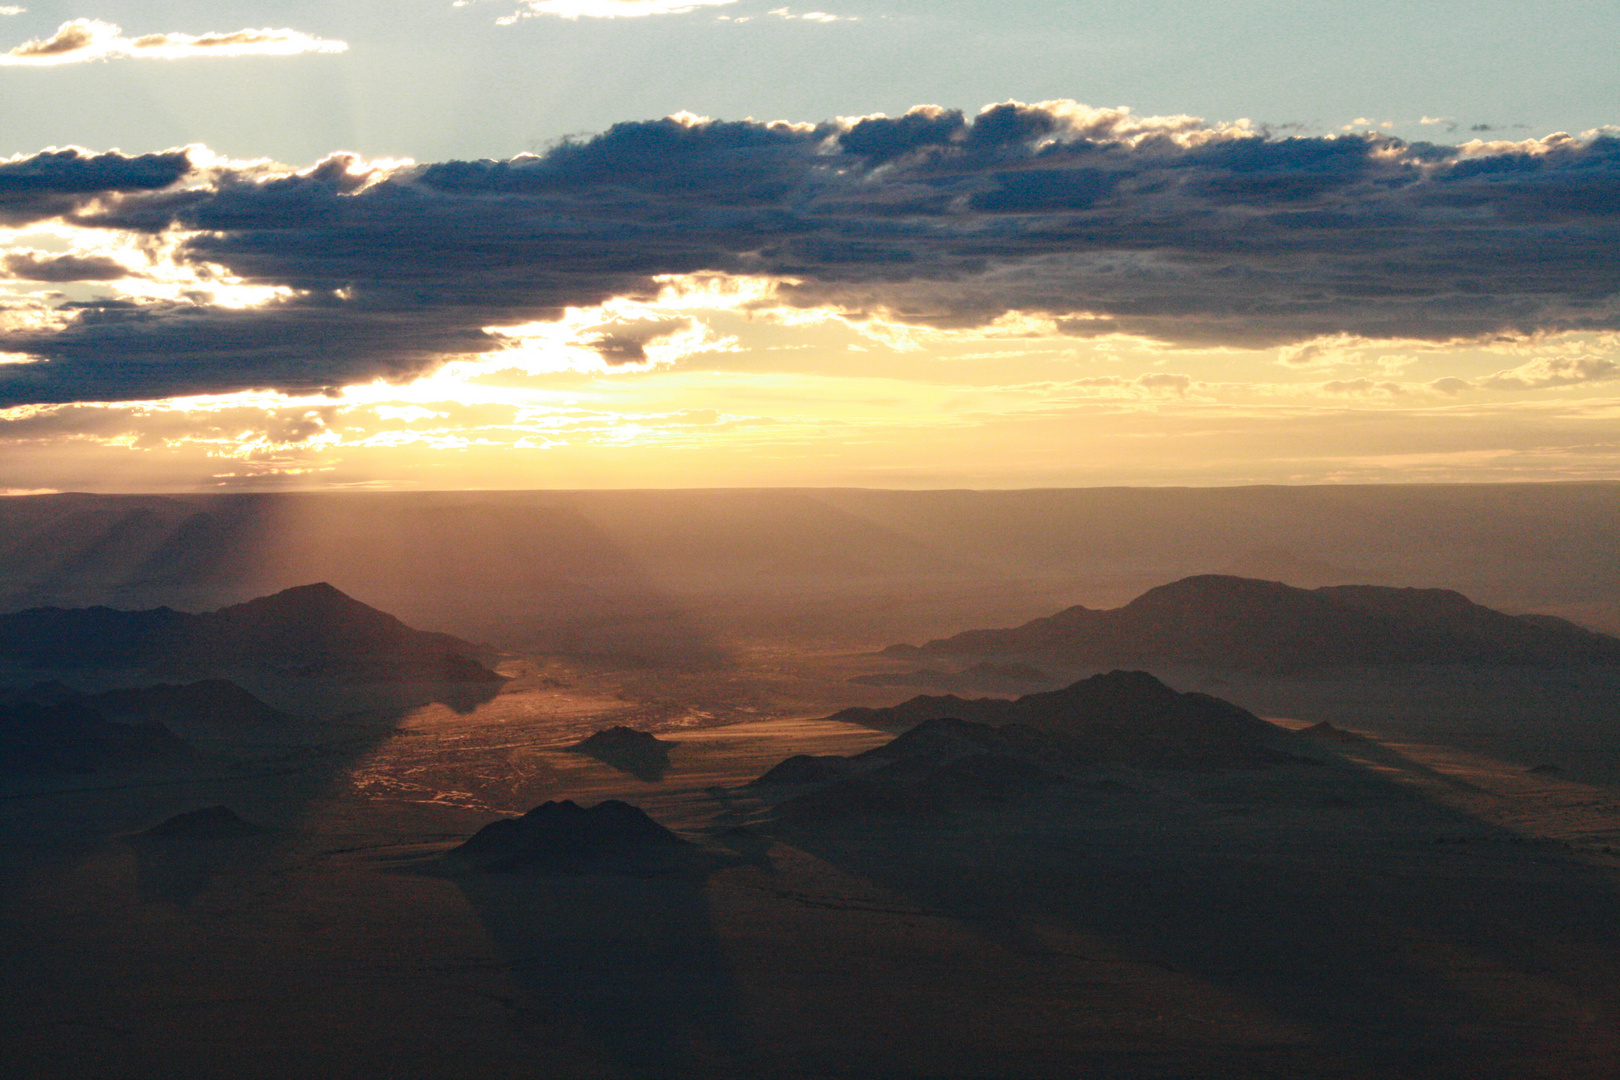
209, 823
1123, 716
639, 753
948, 738
1280, 564
1328, 732
70, 737
311, 630
941, 762
1232, 622
611, 837
933, 742
805, 769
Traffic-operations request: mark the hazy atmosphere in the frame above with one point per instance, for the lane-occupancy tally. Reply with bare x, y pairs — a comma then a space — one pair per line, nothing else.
696, 540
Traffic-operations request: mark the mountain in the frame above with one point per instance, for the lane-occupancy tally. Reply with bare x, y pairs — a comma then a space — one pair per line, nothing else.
209, 823
564, 837
942, 762
1232, 622
1128, 717
311, 630
639, 753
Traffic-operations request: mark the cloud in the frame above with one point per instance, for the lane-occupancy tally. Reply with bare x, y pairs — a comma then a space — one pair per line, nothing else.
10, 9
1097, 222
56, 182
1546, 371
40, 266
811, 16
608, 9
1362, 388
1166, 382
1147, 385
625, 342
92, 39
1327, 350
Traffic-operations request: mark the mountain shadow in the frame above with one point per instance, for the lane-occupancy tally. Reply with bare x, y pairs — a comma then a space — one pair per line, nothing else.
563, 837
603, 917
1382, 925
1243, 623
639, 753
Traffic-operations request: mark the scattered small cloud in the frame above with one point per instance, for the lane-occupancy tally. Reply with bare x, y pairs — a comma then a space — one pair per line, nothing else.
91, 39
606, 9
1147, 385
1547, 371
1327, 350
1362, 388
10, 10
41, 266
811, 16
1166, 382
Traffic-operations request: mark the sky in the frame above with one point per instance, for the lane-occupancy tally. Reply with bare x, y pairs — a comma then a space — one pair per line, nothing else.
692, 243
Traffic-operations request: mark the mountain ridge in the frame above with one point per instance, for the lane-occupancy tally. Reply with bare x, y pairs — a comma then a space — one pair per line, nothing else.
310, 630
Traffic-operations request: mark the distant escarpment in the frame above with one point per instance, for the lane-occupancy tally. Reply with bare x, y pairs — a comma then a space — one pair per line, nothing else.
954, 753
208, 701
996, 678
70, 737
51, 728
311, 631
563, 837
1241, 623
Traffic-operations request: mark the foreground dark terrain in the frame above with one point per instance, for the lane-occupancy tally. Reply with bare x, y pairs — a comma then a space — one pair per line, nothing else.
1220, 869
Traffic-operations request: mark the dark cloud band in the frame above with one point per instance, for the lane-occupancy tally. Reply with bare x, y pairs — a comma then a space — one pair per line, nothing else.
1164, 229
58, 182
